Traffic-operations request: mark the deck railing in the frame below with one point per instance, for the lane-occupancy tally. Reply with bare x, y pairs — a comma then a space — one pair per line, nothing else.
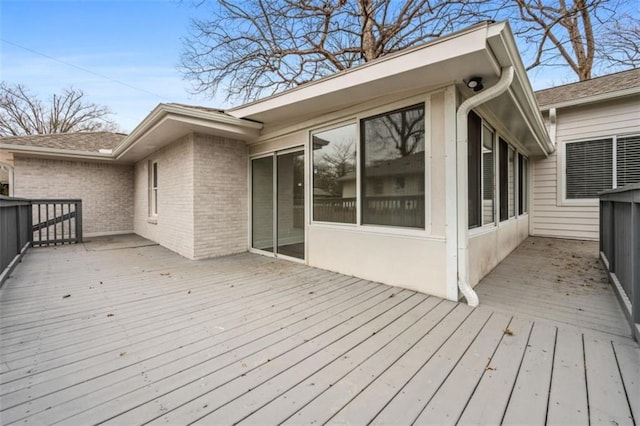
15, 223
56, 222
620, 246
25, 223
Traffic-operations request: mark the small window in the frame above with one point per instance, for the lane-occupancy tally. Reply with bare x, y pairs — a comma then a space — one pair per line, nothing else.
589, 168
474, 171
392, 147
504, 179
523, 173
488, 187
153, 189
512, 182
480, 172
334, 174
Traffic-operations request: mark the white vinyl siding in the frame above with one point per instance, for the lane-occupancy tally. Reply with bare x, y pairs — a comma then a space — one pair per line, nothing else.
550, 215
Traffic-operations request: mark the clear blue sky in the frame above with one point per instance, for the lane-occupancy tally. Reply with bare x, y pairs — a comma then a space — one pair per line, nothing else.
133, 42
124, 53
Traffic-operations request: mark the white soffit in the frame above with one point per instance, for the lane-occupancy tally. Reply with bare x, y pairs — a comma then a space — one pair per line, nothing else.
168, 123
442, 61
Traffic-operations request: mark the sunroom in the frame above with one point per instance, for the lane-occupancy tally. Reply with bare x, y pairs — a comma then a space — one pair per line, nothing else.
397, 171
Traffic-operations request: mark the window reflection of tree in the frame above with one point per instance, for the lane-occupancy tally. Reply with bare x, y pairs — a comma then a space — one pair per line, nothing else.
394, 135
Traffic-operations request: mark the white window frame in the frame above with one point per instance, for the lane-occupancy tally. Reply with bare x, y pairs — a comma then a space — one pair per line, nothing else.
153, 189
561, 176
357, 118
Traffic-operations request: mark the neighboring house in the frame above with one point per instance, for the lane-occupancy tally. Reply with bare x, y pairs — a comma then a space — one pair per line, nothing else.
395, 171
72, 166
596, 127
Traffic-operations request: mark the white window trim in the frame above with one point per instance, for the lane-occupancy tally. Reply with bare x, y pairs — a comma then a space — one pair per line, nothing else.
357, 119
153, 190
561, 167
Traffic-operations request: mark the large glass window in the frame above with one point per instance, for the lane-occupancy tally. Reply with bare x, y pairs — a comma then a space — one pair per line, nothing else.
590, 165
393, 168
334, 174
588, 168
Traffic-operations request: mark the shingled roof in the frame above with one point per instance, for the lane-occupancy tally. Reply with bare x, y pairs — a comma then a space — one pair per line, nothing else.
82, 141
584, 89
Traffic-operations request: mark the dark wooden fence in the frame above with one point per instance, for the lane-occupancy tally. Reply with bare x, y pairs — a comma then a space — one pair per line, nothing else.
15, 223
56, 222
25, 223
620, 246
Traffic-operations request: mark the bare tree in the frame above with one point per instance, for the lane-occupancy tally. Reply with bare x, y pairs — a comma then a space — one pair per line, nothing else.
21, 113
622, 43
571, 32
255, 47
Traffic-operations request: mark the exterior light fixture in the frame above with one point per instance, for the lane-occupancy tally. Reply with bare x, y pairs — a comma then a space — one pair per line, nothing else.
475, 83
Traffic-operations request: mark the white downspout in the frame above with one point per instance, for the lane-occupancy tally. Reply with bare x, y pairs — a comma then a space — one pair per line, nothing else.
500, 87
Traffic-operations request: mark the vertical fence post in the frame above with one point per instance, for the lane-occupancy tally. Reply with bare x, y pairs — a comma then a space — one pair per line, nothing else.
635, 261
79, 221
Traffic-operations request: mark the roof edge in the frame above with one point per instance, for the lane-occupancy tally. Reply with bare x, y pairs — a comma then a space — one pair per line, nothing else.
592, 99
56, 152
162, 111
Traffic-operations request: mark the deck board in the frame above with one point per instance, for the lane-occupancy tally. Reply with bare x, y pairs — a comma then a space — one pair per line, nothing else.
568, 394
256, 340
530, 395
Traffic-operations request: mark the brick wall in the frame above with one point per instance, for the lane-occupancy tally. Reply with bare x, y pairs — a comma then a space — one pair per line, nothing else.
106, 189
173, 226
220, 188
202, 197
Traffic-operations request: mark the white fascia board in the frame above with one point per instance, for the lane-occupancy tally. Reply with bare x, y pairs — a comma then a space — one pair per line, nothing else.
164, 113
593, 99
464, 42
55, 152
501, 41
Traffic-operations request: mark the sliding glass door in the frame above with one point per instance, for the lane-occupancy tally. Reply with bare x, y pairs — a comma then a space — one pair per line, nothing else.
278, 203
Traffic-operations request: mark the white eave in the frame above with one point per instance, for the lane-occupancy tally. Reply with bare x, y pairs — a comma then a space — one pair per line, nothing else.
170, 122
36, 151
441, 61
482, 50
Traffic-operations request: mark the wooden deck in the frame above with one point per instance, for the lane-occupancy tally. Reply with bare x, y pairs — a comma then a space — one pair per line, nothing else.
140, 335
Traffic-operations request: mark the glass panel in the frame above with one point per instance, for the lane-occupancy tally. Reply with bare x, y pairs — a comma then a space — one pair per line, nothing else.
628, 160
488, 188
334, 175
503, 161
589, 168
512, 182
474, 169
393, 168
262, 203
522, 184
291, 204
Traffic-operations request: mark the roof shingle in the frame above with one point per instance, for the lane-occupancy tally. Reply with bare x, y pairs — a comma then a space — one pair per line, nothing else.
583, 89
81, 141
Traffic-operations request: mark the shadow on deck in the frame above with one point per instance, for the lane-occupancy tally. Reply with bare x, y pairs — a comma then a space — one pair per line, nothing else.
141, 335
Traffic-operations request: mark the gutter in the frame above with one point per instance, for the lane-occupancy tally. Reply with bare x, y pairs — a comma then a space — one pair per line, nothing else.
494, 91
